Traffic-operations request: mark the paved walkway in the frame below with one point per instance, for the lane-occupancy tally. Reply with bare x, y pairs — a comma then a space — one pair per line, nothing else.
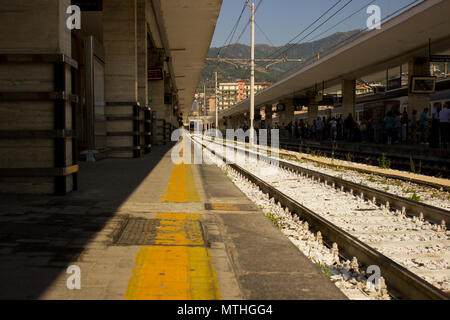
148, 229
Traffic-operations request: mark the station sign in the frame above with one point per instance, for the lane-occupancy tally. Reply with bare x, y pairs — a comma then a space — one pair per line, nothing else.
89, 5
394, 84
281, 107
155, 73
326, 101
299, 103
440, 58
425, 85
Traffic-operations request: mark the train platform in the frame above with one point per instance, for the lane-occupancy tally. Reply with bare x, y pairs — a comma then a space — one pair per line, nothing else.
150, 230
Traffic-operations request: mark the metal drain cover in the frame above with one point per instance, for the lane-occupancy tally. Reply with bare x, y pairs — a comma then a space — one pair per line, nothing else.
138, 232
162, 232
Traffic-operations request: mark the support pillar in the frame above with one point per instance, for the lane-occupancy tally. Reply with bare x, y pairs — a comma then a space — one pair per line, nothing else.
286, 116
38, 152
313, 113
237, 123
418, 67
348, 98
121, 81
268, 116
142, 78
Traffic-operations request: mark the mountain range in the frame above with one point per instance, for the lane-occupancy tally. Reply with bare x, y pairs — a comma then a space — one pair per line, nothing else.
227, 72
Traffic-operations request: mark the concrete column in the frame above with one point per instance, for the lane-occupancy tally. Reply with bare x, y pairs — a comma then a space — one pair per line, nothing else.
236, 122
229, 122
30, 27
120, 43
287, 115
156, 96
268, 116
418, 67
142, 53
313, 113
121, 81
348, 97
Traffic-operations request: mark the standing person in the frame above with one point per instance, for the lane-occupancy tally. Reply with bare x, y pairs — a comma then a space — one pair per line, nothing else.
389, 126
333, 128
296, 130
434, 136
348, 127
302, 128
404, 122
364, 130
319, 128
313, 130
444, 119
424, 126
413, 126
340, 127
289, 130
397, 126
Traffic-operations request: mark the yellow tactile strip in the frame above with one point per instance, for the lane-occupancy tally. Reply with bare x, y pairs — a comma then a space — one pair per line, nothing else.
178, 266
182, 271
223, 207
181, 186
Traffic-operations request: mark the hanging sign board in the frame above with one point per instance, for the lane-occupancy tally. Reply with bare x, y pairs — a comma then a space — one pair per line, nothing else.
89, 5
155, 73
440, 58
423, 85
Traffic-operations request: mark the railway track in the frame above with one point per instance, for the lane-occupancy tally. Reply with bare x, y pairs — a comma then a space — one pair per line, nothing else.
406, 206
427, 167
361, 242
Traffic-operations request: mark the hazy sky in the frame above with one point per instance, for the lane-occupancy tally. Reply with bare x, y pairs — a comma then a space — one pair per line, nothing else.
281, 20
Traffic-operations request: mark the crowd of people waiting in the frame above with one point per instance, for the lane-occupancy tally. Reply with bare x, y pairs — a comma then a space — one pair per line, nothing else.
431, 128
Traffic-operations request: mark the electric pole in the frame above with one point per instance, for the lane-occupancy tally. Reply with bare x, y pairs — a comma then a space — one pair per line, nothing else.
204, 110
252, 77
217, 107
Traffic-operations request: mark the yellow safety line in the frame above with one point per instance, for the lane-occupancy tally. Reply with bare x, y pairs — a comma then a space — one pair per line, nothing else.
181, 271
178, 266
181, 186
224, 207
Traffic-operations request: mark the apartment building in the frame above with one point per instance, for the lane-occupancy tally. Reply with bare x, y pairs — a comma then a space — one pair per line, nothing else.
230, 93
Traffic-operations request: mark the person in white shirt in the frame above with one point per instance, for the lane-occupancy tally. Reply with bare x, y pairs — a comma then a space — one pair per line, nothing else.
333, 124
444, 119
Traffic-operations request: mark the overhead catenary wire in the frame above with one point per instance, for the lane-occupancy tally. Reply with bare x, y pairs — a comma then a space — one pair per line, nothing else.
343, 20
355, 35
305, 29
315, 29
265, 35
233, 30
248, 23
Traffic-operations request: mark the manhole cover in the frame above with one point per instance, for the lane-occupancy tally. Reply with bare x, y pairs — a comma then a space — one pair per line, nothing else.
163, 232
138, 232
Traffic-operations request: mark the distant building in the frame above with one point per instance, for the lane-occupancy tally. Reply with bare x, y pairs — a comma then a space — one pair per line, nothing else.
230, 93
211, 103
